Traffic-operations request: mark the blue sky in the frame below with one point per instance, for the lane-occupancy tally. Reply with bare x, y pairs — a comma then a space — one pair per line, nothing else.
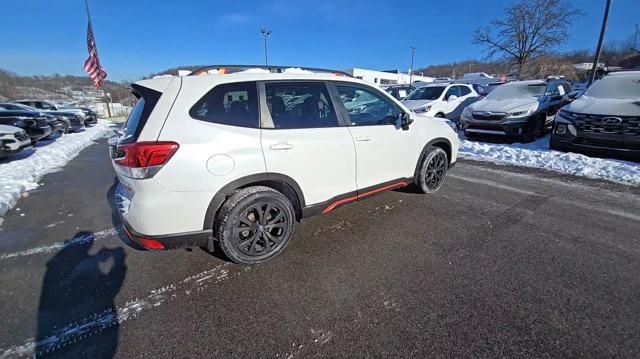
137, 37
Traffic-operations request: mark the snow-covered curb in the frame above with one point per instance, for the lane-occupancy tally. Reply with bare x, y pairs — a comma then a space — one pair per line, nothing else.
21, 172
538, 155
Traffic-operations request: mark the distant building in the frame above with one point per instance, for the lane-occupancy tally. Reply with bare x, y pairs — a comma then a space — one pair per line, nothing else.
586, 66
382, 78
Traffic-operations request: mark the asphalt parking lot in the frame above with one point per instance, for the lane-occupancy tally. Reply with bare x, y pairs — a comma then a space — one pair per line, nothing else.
502, 262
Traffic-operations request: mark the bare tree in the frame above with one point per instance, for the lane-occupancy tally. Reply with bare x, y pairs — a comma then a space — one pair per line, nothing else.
528, 29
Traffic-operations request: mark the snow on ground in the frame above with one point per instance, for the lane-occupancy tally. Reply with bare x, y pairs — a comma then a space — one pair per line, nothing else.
21, 172
538, 155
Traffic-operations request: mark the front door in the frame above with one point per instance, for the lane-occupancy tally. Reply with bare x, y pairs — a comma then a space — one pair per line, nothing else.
303, 139
386, 154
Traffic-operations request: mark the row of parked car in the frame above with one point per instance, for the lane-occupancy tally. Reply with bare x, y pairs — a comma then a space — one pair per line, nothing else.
24, 122
603, 120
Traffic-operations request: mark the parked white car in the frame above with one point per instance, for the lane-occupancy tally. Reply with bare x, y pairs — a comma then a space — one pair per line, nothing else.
12, 140
226, 158
441, 100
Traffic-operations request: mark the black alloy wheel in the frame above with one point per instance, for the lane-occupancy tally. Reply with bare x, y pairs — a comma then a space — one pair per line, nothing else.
433, 170
254, 224
260, 229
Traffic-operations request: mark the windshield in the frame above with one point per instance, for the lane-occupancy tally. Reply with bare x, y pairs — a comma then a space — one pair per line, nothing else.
618, 86
517, 90
426, 93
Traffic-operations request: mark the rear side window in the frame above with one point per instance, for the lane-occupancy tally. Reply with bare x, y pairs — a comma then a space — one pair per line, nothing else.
299, 105
234, 104
464, 90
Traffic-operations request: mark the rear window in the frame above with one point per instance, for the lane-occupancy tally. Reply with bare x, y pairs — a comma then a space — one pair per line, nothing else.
147, 100
132, 122
234, 104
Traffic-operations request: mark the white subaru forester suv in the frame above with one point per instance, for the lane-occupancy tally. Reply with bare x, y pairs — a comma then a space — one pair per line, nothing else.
240, 157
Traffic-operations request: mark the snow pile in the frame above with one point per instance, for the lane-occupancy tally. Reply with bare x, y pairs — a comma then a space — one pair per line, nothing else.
21, 172
537, 154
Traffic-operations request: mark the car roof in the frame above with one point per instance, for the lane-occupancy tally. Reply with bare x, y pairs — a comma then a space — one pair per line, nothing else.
530, 82
623, 73
161, 82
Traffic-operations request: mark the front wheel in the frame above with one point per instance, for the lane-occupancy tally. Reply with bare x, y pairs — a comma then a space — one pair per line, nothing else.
534, 130
433, 170
63, 126
255, 224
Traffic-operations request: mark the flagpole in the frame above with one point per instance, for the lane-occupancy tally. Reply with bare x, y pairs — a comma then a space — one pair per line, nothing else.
104, 92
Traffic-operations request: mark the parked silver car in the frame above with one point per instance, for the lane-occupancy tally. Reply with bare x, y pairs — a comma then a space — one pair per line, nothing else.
521, 109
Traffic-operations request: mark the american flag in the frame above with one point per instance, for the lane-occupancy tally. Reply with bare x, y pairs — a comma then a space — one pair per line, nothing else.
92, 64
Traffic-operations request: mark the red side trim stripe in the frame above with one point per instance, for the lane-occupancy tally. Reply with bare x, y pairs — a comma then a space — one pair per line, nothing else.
360, 195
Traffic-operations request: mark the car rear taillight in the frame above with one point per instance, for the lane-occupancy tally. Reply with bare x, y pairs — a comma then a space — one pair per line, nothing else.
143, 159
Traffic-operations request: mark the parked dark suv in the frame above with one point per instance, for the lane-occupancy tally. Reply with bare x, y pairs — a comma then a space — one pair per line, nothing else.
63, 121
34, 123
605, 121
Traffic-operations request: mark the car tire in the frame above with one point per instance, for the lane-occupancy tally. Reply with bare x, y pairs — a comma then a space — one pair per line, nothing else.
254, 225
534, 130
63, 125
432, 171
440, 115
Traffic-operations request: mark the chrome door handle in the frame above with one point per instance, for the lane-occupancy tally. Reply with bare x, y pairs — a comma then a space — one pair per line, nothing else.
281, 146
363, 138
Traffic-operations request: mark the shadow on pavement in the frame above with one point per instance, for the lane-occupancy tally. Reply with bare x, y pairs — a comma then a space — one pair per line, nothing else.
77, 287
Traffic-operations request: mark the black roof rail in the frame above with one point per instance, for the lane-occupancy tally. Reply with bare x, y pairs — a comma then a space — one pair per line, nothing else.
271, 68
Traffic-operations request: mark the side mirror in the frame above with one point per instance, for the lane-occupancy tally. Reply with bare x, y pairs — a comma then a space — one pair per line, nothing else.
452, 98
405, 120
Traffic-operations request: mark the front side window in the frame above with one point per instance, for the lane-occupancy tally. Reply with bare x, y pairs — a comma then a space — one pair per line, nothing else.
366, 107
234, 104
452, 91
299, 105
44, 106
553, 89
464, 90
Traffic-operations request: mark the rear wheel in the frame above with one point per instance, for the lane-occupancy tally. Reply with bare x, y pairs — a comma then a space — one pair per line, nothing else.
433, 170
440, 115
255, 224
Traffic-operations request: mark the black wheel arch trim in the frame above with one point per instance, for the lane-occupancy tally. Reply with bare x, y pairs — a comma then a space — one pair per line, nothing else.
279, 182
428, 145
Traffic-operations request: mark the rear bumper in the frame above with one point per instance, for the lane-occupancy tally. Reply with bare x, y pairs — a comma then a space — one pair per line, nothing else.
168, 241
154, 218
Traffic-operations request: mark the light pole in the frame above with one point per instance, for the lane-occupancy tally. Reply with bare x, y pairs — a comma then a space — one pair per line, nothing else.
413, 54
596, 58
266, 34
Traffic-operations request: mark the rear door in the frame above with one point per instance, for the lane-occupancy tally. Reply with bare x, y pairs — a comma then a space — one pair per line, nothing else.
386, 154
303, 138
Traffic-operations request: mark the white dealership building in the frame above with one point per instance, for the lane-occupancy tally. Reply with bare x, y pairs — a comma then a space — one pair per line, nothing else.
390, 77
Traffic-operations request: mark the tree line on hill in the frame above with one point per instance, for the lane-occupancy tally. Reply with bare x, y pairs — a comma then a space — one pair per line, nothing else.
521, 42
